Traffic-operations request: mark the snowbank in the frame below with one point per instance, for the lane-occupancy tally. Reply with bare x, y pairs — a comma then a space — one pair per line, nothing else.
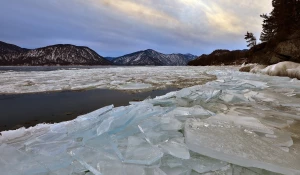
285, 69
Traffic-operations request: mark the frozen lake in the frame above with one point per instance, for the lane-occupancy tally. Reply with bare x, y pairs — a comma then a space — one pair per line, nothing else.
34, 79
236, 123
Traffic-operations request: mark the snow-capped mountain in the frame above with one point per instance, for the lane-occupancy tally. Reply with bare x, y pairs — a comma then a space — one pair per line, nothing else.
151, 57
6, 48
62, 54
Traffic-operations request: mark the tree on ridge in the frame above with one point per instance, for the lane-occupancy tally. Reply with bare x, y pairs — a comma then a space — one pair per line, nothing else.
251, 39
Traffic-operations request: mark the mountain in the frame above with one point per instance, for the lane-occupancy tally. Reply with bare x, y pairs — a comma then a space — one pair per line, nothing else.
221, 57
152, 57
190, 57
110, 58
61, 54
6, 48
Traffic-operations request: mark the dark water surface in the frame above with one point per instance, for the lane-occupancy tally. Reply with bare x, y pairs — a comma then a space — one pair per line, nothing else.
48, 68
30, 109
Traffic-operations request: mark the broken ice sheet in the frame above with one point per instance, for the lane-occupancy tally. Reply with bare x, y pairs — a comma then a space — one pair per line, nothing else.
13, 161
51, 148
237, 170
141, 152
127, 116
182, 113
202, 164
249, 123
89, 157
275, 122
170, 123
176, 147
180, 170
154, 133
226, 142
232, 96
118, 168
134, 86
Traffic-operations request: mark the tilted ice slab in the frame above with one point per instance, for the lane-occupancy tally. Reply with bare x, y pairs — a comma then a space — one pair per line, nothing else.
121, 78
240, 124
229, 143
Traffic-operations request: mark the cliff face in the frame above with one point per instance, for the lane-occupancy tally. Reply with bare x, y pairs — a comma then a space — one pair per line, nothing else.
290, 49
286, 49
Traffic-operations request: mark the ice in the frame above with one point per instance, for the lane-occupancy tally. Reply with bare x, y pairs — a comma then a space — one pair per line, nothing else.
134, 86
231, 96
119, 168
141, 152
122, 78
279, 138
168, 123
242, 124
176, 147
227, 142
249, 123
276, 122
203, 164
180, 170
154, 171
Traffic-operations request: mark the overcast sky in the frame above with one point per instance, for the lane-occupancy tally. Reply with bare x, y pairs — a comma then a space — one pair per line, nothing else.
118, 27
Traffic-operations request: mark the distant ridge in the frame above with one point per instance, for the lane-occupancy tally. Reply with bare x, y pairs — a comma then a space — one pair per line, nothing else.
221, 57
60, 54
6, 48
152, 57
67, 54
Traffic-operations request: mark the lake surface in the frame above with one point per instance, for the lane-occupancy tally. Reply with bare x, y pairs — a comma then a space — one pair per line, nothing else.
30, 109
48, 68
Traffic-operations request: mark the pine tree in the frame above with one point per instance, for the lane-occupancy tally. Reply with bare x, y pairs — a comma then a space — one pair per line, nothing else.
282, 21
269, 28
251, 39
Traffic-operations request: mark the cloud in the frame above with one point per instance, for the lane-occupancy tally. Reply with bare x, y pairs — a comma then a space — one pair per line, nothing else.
143, 13
117, 27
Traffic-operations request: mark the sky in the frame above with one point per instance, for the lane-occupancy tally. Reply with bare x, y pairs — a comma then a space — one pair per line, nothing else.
117, 27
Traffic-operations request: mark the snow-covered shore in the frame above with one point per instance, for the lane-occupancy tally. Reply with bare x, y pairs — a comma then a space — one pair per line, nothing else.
283, 69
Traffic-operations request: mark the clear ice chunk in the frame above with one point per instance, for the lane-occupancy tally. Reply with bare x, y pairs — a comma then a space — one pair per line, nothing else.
179, 170
170, 123
139, 151
203, 164
249, 123
176, 147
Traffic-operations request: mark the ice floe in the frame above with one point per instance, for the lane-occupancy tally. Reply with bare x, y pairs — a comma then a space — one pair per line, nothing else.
241, 123
121, 78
